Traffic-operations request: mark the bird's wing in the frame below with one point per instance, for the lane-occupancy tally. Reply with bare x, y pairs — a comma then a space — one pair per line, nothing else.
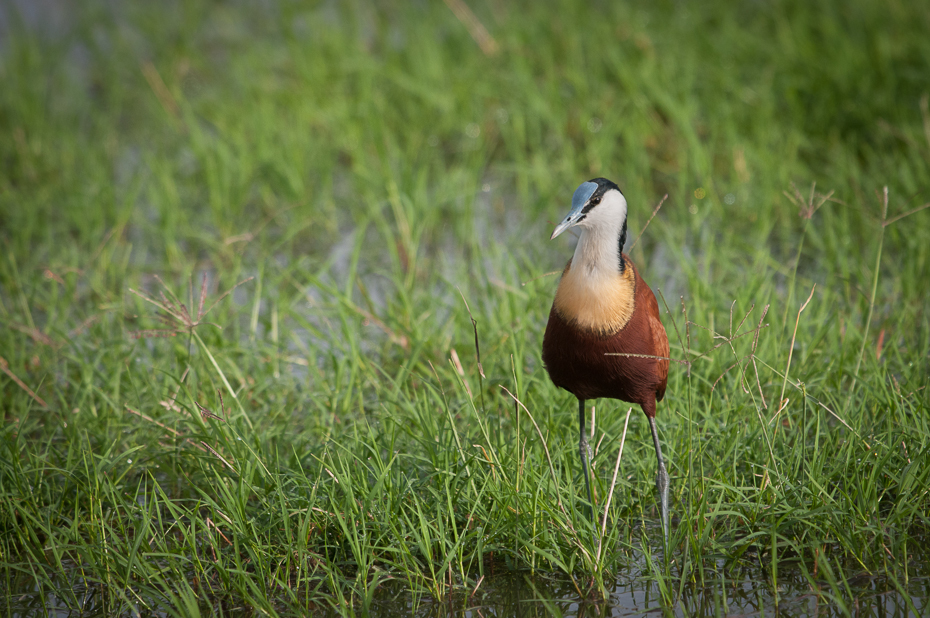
660, 342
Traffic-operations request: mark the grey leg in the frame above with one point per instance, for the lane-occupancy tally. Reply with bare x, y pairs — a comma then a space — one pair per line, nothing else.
661, 478
584, 450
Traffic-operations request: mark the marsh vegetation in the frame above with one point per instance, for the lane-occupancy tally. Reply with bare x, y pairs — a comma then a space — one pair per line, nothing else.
362, 424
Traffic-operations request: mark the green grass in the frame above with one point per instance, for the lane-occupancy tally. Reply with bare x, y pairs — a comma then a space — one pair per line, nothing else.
377, 181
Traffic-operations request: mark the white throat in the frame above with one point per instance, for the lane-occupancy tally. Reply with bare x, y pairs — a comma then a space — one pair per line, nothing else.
597, 254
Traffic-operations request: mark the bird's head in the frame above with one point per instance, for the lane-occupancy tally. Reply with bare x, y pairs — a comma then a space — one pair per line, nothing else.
596, 204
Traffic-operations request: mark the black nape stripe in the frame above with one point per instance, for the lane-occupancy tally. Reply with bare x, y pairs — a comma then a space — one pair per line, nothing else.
622, 242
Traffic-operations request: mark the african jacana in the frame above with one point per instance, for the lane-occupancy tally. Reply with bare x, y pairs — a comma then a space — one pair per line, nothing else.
604, 337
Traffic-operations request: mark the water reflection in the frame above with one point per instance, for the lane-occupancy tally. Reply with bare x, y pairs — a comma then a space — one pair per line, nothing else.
526, 595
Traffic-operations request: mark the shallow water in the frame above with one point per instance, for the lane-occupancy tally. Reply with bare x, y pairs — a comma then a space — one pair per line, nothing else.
522, 594
743, 592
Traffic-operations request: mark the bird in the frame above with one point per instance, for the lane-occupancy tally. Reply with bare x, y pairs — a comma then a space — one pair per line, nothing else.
604, 338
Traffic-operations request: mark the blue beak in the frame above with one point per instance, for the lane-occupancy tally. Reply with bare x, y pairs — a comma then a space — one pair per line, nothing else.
582, 194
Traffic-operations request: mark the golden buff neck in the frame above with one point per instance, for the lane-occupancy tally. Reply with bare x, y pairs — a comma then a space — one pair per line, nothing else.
597, 299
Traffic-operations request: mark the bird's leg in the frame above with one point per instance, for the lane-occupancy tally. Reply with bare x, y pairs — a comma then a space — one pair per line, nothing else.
661, 478
585, 451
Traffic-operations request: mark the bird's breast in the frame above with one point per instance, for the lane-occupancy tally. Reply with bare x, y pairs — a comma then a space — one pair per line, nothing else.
602, 303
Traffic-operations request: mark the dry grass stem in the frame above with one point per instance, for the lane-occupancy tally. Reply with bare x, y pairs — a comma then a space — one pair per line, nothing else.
651, 217
162, 93
5, 368
542, 276
152, 420
613, 481
475, 28
218, 456
794, 336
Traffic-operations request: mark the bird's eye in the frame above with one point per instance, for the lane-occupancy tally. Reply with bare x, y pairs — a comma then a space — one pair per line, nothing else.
595, 201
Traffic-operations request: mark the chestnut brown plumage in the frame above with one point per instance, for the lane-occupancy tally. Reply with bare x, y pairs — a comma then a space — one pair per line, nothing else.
604, 337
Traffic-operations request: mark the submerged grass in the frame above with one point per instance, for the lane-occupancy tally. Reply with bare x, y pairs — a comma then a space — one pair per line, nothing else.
368, 414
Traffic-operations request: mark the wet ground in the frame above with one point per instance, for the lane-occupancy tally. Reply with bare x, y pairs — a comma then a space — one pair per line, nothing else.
517, 594
514, 593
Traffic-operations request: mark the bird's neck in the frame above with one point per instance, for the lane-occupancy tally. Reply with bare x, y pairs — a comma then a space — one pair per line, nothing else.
599, 252
598, 289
